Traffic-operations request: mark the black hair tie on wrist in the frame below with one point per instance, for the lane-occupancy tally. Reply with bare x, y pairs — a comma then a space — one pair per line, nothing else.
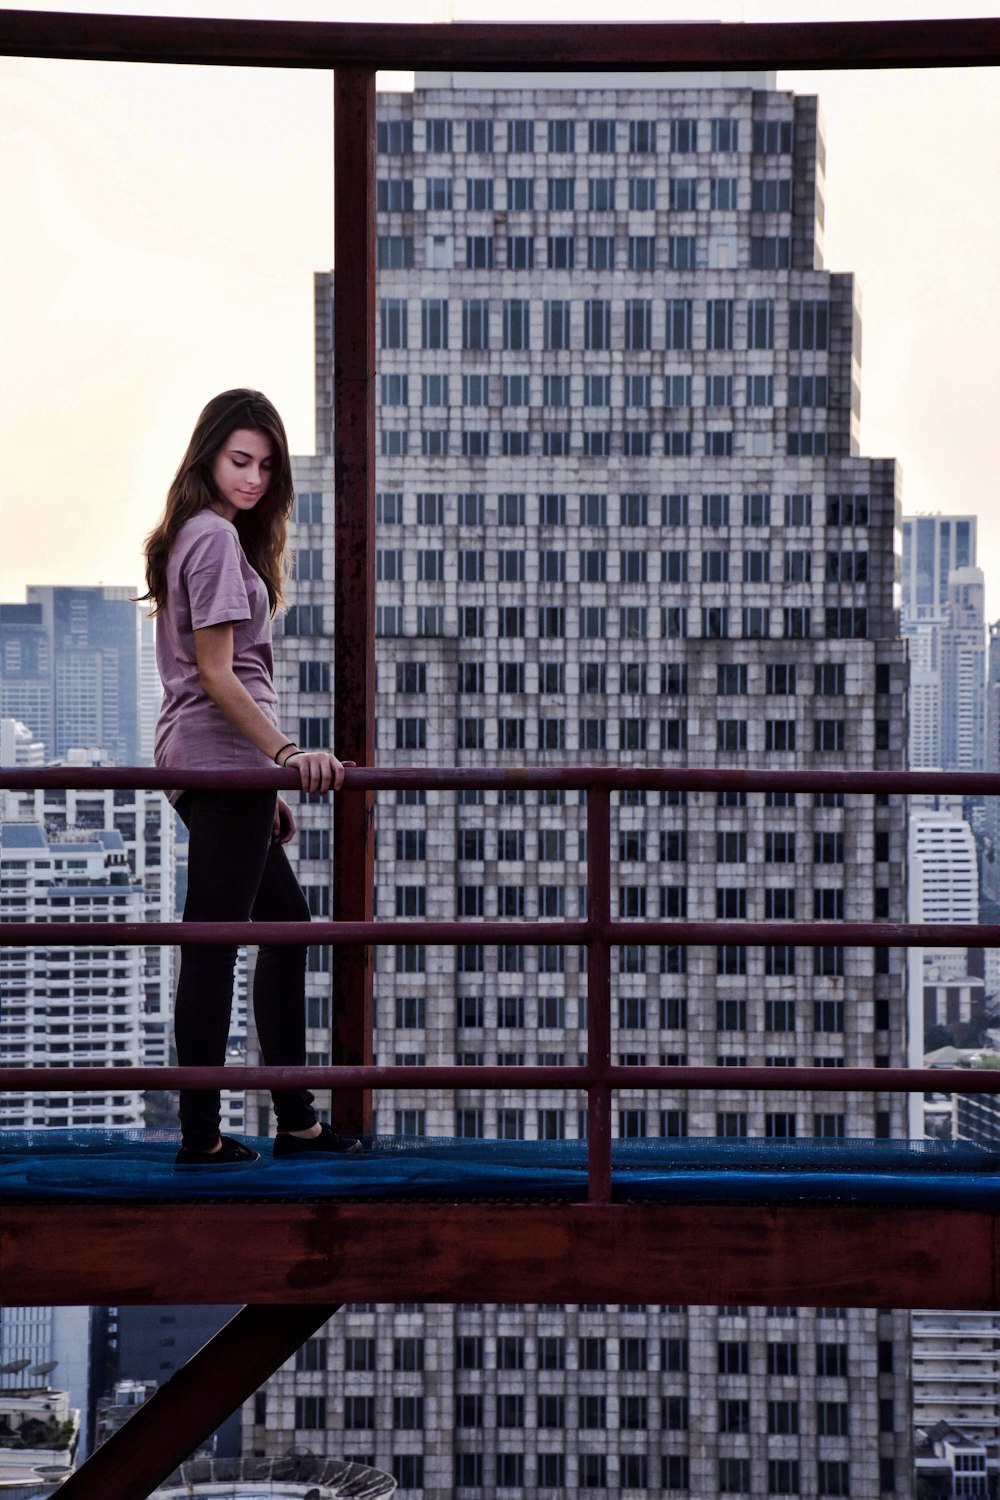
288, 745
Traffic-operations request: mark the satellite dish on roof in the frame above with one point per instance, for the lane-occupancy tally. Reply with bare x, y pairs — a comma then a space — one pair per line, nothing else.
44, 1369
14, 1366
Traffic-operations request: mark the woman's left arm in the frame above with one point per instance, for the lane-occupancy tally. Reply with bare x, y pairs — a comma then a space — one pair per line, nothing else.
318, 770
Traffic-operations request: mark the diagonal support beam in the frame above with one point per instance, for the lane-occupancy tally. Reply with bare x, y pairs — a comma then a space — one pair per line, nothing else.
194, 1401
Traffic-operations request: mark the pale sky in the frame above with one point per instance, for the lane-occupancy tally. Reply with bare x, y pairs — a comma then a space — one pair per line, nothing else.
161, 225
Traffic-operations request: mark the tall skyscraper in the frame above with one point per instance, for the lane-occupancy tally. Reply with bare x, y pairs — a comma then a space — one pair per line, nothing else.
26, 671
622, 520
963, 673
933, 547
991, 862
93, 636
943, 618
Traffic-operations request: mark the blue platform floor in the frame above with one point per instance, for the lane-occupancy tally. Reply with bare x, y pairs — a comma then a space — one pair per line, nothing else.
101, 1165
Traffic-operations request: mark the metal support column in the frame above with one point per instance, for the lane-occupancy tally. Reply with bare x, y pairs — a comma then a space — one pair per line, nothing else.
599, 992
354, 564
194, 1401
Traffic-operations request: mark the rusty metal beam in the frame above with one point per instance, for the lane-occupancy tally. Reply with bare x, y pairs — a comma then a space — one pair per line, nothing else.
519, 47
322, 1252
392, 933
524, 778
773, 1080
599, 993
199, 1396
354, 565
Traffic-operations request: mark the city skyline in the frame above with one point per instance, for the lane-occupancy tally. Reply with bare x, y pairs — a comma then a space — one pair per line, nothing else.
81, 140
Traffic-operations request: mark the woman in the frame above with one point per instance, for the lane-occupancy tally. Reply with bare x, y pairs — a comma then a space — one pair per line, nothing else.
213, 574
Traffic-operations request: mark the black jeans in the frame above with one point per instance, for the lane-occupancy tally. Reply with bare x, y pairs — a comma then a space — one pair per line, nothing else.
236, 874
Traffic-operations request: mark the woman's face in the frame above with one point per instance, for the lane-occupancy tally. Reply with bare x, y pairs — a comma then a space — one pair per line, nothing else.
241, 471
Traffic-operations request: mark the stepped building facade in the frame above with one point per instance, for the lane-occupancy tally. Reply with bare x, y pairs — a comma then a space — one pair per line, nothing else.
622, 519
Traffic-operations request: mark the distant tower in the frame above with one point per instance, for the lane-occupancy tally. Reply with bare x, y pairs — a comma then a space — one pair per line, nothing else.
963, 673
991, 864
26, 684
943, 618
94, 641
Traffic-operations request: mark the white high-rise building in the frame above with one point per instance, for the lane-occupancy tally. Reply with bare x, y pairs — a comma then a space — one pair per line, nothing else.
622, 519
18, 746
63, 1005
145, 823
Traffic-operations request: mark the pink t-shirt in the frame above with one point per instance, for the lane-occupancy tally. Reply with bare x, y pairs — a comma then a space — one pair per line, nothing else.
210, 581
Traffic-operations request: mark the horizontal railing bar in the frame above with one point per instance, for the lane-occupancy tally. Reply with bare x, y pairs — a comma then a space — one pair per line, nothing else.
526, 778
531, 934
511, 46
711, 1079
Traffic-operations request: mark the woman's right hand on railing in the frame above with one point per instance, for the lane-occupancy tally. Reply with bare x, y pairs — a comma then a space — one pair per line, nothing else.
318, 770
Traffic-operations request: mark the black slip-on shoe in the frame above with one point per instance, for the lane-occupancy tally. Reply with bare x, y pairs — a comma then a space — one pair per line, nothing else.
230, 1153
328, 1141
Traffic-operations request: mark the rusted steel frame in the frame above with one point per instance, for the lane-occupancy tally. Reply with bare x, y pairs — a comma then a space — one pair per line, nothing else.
200, 1395
774, 1080
326, 1252
353, 875
517, 46
532, 934
598, 994
525, 778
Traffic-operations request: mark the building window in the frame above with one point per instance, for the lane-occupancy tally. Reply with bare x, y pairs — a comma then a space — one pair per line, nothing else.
772, 137
408, 1468
796, 622
679, 314
642, 194
719, 323
555, 323
310, 1413
479, 254
770, 253
516, 323
394, 137
561, 194
601, 194
520, 136
394, 252
475, 323
722, 193
562, 135
560, 252
479, 136
601, 137
683, 194
809, 325
520, 194
641, 253
641, 136
638, 323
440, 193
771, 195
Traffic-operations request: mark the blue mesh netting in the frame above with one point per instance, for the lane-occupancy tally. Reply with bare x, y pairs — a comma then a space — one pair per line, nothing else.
48, 1165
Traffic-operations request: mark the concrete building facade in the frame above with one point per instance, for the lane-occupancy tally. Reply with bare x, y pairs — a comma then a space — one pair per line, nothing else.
145, 823
69, 1004
622, 519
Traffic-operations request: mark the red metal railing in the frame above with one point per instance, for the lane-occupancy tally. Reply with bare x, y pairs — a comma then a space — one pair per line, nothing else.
598, 933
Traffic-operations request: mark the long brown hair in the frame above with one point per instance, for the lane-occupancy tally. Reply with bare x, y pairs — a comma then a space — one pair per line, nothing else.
263, 531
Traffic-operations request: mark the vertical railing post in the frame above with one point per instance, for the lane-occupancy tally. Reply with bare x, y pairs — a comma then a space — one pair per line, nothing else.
354, 563
598, 993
